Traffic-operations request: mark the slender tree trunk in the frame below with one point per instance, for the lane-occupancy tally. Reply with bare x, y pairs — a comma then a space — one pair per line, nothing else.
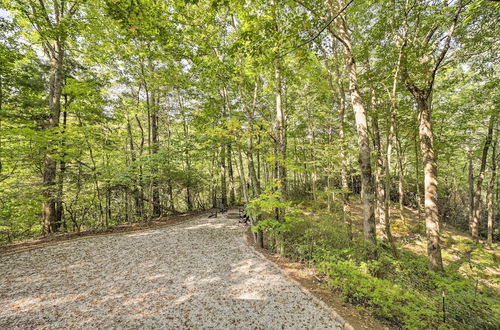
401, 178
367, 186
223, 183
153, 110
251, 170
312, 158
280, 144
170, 191
140, 192
382, 206
232, 195
108, 205
394, 135
417, 184
127, 207
471, 186
242, 177
187, 160
137, 195
49, 223
60, 183
213, 184
338, 93
254, 177
477, 194
490, 195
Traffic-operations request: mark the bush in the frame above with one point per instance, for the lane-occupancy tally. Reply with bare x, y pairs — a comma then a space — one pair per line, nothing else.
402, 291
407, 308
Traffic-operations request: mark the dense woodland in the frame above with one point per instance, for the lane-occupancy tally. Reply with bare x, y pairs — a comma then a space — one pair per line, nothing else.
122, 111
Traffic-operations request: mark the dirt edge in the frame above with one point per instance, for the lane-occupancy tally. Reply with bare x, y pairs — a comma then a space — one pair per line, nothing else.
38, 242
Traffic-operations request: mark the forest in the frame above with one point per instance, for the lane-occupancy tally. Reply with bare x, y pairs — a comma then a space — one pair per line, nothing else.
360, 136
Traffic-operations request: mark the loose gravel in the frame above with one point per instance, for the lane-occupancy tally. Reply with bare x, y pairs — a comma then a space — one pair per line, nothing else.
199, 274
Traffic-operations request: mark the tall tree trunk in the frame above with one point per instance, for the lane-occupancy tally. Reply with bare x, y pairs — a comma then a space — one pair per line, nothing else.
280, 144
227, 111
223, 183
280, 135
213, 184
382, 206
153, 122
108, 205
394, 135
490, 195
367, 185
471, 185
254, 177
417, 185
338, 93
430, 183
401, 177
232, 195
477, 194
137, 195
62, 173
187, 160
170, 190
49, 165
140, 191
423, 97
242, 177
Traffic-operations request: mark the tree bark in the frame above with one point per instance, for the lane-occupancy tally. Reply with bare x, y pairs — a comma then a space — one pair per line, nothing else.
471, 186
280, 143
479, 183
254, 178
60, 183
140, 190
338, 93
423, 97
242, 177
367, 185
430, 183
490, 195
401, 177
232, 195
223, 183
49, 168
154, 151
382, 206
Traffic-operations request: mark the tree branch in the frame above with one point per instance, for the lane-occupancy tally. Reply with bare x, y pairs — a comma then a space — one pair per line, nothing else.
320, 31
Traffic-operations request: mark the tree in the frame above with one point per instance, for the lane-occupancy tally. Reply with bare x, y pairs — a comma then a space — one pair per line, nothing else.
367, 184
423, 96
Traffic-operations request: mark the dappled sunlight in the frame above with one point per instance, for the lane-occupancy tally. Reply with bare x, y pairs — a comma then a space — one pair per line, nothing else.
206, 225
146, 233
195, 274
456, 246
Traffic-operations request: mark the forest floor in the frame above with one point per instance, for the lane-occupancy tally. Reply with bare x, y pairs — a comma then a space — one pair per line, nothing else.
458, 249
199, 273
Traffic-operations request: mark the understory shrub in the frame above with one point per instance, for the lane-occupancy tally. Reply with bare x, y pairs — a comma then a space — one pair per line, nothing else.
400, 291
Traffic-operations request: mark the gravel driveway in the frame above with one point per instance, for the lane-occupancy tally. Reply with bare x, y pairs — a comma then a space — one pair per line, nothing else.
197, 274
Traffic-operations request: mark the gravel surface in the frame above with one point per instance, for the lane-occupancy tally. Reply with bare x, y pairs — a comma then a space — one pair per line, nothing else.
197, 274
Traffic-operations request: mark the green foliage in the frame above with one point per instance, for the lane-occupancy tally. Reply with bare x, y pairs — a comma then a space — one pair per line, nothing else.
263, 208
401, 291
